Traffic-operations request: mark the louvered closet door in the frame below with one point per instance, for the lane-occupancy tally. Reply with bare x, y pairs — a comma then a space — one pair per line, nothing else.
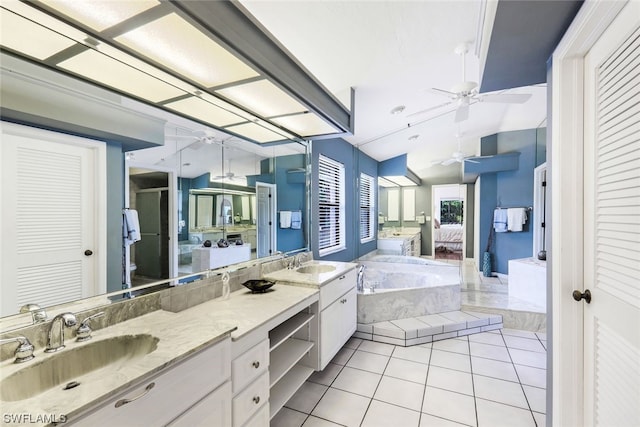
612, 224
48, 219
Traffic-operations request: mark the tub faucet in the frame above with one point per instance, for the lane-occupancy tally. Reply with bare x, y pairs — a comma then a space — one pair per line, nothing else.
65, 319
360, 282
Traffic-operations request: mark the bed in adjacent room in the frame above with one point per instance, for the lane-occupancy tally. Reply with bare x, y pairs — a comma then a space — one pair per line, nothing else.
448, 237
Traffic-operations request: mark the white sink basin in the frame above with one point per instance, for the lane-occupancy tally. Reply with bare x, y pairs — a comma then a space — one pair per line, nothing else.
315, 269
65, 368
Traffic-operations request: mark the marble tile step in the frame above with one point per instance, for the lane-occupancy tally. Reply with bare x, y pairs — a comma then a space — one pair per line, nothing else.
433, 327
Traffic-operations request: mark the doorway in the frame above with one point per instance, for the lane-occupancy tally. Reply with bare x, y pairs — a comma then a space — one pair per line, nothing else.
266, 219
448, 211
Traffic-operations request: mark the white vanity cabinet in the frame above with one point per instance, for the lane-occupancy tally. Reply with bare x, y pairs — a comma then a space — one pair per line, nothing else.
401, 245
338, 312
250, 379
196, 391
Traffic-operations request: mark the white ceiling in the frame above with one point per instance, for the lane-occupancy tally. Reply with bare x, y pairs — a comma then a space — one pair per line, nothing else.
392, 53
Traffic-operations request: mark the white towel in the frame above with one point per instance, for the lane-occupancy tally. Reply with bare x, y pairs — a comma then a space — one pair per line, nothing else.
130, 226
516, 217
285, 219
296, 220
500, 220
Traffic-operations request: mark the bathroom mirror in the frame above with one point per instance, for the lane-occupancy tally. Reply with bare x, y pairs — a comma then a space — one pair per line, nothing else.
225, 194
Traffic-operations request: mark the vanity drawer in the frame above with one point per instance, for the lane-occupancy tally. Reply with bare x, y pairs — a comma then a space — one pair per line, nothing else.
337, 287
249, 365
260, 419
213, 410
248, 401
174, 391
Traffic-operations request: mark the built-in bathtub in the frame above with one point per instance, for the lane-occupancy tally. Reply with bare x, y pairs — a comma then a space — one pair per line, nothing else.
398, 287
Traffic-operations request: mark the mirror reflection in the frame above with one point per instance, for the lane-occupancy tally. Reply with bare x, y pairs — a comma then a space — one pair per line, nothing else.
199, 186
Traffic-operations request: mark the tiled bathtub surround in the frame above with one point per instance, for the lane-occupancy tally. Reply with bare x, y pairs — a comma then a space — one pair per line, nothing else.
425, 329
494, 379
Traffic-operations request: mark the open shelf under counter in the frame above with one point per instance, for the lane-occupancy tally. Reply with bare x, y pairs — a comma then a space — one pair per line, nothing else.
286, 356
286, 329
286, 387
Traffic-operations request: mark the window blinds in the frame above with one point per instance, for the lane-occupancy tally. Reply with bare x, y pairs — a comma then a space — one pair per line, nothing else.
331, 209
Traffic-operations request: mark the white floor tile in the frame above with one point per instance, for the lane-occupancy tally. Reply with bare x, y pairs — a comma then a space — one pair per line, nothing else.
318, 422
407, 370
489, 351
537, 398
493, 368
343, 356
327, 375
541, 419
356, 381
501, 391
487, 338
376, 347
368, 361
400, 392
419, 353
341, 407
455, 346
450, 379
493, 414
449, 405
519, 333
446, 359
532, 376
529, 358
382, 414
288, 418
307, 397
427, 420
353, 343
524, 343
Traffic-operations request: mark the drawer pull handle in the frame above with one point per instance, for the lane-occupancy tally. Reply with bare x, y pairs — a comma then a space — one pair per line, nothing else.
256, 364
342, 277
256, 399
147, 389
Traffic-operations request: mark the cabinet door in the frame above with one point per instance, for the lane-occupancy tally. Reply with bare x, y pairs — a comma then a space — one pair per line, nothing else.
213, 410
337, 324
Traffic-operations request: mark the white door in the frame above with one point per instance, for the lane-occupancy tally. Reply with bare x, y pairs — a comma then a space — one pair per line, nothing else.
51, 250
266, 219
612, 224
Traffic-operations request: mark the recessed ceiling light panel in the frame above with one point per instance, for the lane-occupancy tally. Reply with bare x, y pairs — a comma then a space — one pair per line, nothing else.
263, 97
305, 124
100, 14
207, 112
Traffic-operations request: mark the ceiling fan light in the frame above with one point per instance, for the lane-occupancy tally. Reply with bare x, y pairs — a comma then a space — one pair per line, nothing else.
397, 110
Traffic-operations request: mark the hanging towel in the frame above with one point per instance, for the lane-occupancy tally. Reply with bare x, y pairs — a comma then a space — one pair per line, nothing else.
516, 217
285, 219
500, 220
296, 220
130, 226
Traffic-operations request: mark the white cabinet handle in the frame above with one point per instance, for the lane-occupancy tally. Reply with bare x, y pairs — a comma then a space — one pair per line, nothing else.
147, 389
256, 364
256, 399
342, 277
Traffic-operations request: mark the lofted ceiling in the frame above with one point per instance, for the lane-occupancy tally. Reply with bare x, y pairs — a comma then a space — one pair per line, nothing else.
393, 52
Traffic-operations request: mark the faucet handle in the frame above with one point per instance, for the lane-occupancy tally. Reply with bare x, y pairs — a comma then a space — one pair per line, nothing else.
24, 352
37, 313
83, 333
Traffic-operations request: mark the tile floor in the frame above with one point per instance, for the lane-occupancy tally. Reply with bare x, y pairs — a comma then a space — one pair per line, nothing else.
495, 378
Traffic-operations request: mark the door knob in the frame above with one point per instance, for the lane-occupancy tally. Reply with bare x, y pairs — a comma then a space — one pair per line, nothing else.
88, 252
586, 295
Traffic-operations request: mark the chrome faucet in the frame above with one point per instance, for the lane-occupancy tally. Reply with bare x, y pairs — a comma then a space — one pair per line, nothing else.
360, 282
65, 319
24, 352
37, 313
83, 333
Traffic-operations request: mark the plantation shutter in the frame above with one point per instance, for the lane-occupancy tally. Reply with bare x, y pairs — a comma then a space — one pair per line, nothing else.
331, 222
366, 208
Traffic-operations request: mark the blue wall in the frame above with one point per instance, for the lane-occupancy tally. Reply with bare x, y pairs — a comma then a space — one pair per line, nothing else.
509, 189
290, 197
354, 162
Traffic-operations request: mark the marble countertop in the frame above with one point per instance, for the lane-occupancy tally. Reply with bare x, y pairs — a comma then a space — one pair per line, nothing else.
180, 335
311, 280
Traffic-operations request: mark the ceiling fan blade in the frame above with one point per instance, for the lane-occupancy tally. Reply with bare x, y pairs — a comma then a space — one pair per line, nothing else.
437, 91
507, 98
471, 161
417, 113
462, 113
448, 162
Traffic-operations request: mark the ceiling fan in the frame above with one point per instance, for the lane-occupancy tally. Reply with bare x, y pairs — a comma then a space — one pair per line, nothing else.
457, 156
229, 175
466, 93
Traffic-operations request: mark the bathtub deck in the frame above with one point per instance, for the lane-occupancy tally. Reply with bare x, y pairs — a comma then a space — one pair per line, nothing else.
433, 327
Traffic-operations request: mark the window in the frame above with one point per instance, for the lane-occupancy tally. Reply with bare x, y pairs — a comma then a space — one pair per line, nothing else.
367, 208
451, 211
331, 235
